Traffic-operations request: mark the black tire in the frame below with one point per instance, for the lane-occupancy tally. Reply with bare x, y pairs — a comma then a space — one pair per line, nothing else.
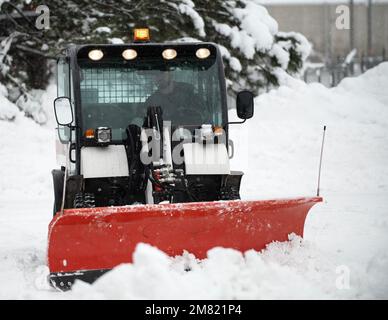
78, 200
84, 200
230, 193
58, 176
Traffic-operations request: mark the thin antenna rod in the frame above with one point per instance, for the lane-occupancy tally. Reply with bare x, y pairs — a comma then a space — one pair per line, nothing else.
320, 161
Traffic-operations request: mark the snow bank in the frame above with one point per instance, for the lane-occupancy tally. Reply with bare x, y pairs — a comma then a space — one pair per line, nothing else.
8, 110
37, 104
287, 133
226, 274
297, 269
27, 156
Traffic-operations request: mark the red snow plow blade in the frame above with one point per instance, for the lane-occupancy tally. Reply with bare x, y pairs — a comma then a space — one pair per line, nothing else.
84, 243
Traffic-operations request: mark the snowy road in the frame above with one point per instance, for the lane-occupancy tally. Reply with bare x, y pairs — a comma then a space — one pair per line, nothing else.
345, 250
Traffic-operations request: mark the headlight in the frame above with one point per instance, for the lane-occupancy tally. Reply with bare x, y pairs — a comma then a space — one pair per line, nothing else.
103, 135
169, 54
95, 55
129, 54
202, 53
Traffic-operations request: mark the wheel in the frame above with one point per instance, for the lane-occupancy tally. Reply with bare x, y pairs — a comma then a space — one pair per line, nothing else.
84, 200
230, 193
78, 200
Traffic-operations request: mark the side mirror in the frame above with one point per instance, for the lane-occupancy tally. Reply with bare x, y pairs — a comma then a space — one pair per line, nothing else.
244, 104
63, 111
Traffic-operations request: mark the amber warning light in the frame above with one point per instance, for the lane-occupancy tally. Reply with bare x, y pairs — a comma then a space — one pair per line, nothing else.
142, 34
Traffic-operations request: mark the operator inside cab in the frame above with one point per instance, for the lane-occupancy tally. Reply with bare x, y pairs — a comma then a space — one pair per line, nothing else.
177, 99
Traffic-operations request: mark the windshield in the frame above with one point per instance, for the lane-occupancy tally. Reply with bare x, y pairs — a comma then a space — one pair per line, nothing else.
115, 95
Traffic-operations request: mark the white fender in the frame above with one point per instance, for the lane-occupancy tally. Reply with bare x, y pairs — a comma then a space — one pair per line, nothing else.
104, 162
206, 158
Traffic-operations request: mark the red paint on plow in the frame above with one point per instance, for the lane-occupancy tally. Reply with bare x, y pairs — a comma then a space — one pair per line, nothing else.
102, 238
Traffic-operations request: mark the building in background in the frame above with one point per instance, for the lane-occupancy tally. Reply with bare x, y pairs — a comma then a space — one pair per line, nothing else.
316, 20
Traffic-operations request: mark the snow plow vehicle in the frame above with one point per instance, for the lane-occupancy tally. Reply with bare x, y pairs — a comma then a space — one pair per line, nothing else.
144, 153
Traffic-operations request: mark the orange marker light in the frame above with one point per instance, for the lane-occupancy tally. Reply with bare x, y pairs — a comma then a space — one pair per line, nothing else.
142, 34
89, 134
218, 131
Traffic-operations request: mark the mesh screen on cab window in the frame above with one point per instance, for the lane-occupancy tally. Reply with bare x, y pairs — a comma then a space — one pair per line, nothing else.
113, 85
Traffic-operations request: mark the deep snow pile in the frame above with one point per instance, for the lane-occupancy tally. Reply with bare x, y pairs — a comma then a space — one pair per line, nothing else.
343, 254
8, 110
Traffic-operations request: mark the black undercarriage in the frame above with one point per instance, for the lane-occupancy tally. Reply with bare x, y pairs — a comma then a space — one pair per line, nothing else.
102, 192
64, 281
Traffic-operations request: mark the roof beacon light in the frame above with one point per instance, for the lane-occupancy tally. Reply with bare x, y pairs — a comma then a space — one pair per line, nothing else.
169, 54
129, 54
95, 54
141, 34
202, 53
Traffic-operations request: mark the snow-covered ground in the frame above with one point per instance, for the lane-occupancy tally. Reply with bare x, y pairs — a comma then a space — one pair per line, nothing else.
344, 253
